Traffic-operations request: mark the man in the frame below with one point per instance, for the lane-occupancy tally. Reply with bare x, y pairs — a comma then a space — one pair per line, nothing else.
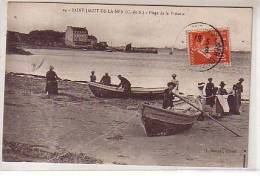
125, 84
175, 81
238, 89
168, 96
106, 80
93, 77
51, 82
210, 100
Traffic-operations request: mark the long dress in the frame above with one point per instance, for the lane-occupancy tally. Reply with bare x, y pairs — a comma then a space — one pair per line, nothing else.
238, 89
219, 108
51, 83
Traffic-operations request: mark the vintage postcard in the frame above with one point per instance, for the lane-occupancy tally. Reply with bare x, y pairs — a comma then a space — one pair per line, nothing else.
127, 84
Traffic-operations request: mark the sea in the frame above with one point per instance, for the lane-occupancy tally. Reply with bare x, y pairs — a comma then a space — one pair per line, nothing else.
142, 69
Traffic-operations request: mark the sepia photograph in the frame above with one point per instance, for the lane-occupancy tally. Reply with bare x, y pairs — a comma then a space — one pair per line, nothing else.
145, 85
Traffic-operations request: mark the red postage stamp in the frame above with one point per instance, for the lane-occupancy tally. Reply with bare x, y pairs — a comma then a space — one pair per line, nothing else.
209, 47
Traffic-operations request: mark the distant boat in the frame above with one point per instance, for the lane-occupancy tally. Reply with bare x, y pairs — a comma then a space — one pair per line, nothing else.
84, 49
130, 49
171, 52
109, 50
163, 122
111, 91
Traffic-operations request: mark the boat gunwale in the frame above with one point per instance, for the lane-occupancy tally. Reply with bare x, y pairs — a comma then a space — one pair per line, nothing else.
106, 87
137, 90
168, 111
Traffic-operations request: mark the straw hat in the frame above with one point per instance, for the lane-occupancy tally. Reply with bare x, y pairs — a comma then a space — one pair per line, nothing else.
201, 84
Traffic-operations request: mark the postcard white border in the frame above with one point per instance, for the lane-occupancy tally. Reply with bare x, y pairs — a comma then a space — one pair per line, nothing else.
254, 122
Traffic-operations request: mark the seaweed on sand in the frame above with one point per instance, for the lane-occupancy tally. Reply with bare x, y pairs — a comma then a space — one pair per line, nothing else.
18, 152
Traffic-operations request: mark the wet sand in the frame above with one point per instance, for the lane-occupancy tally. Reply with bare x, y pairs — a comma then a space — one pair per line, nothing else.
77, 127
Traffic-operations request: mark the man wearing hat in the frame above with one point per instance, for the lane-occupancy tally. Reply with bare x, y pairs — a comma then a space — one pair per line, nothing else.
210, 100
238, 89
175, 81
168, 96
93, 77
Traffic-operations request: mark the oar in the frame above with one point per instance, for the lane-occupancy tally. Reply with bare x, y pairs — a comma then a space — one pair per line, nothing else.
212, 118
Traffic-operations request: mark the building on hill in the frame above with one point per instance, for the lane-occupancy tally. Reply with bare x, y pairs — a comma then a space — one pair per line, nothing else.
92, 41
76, 37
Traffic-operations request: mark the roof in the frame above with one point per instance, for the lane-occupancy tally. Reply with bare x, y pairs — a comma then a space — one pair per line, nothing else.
78, 28
92, 37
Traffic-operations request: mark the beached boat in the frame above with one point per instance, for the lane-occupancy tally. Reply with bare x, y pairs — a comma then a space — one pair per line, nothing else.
111, 91
164, 122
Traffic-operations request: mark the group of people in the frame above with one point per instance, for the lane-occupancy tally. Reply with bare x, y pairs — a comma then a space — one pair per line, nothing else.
106, 80
209, 94
52, 84
225, 102
219, 96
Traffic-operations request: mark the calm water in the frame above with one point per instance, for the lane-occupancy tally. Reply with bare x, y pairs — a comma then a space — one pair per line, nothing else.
143, 70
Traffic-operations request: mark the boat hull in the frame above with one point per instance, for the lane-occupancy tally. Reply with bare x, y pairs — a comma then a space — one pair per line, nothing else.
154, 127
105, 91
162, 122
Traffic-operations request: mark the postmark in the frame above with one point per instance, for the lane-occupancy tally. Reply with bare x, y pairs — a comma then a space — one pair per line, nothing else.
209, 47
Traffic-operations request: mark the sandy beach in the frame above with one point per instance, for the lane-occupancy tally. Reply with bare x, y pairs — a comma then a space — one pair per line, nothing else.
77, 127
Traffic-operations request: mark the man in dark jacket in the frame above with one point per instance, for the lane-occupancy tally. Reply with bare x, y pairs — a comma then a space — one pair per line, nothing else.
210, 98
106, 80
93, 77
51, 82
168, 96
125, 84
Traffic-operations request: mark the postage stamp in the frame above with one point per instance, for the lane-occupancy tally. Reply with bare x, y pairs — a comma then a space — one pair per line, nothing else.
209, 47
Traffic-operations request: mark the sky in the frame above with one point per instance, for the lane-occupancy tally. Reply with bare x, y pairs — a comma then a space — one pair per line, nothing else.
155, 26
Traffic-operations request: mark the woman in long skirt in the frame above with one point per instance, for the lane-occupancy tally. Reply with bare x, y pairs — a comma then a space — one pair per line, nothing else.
51, 82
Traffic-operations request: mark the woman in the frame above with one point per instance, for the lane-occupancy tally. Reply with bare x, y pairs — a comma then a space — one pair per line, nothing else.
222, 106
51, 82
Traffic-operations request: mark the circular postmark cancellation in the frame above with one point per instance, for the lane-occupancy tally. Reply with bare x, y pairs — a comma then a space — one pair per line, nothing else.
207, 46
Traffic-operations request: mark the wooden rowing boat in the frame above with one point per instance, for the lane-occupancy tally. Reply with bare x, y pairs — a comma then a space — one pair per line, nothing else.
164, 122
111, 91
